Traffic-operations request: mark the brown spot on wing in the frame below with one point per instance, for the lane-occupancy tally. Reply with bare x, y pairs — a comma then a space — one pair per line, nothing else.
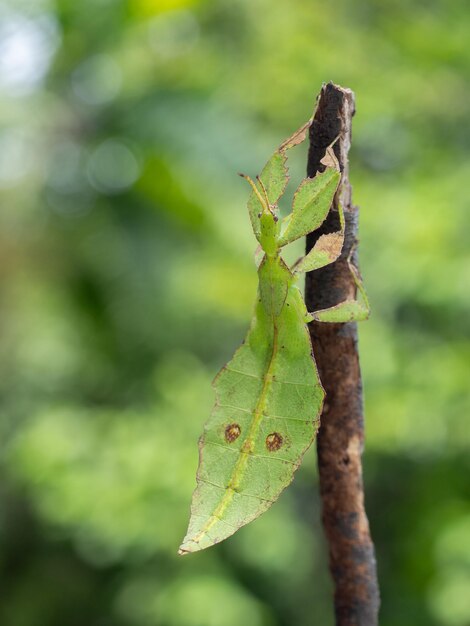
232, 432
274, 441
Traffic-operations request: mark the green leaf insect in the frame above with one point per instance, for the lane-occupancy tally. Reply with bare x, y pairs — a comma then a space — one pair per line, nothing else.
269, 396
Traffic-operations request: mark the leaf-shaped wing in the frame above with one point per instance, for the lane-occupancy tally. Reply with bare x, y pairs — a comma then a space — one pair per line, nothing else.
268, 399
312, 201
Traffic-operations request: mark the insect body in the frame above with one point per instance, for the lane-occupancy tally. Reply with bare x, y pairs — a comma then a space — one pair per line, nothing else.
269, 396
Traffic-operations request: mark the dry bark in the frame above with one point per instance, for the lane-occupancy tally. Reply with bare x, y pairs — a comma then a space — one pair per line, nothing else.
341, 437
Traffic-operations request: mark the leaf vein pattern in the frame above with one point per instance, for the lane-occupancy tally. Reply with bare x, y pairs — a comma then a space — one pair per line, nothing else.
240, 465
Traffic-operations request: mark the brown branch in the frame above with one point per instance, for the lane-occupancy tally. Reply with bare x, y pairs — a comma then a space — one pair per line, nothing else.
341, 436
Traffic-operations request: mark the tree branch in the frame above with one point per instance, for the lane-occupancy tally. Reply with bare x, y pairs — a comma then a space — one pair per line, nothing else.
341, 436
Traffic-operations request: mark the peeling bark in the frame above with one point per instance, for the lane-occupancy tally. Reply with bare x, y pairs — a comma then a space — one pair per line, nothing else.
340, 440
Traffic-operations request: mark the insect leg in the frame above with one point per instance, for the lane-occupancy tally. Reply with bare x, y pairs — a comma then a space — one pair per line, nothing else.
325, 251
348, 310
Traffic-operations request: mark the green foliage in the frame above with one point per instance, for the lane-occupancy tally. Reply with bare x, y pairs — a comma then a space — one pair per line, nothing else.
119, 301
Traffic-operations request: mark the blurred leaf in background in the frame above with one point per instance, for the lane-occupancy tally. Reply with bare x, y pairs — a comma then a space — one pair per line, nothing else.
127, 279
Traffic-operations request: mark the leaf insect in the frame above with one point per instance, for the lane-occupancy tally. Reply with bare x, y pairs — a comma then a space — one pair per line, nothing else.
269, 396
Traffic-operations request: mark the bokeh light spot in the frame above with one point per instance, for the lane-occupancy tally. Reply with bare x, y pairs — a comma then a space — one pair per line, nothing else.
26, 50
97, 81
112, 168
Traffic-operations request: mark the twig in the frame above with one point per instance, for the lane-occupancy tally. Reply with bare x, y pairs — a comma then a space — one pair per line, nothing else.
341, 436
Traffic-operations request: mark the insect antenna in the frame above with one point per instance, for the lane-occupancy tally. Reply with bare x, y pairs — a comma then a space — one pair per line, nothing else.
265, 195
263, 200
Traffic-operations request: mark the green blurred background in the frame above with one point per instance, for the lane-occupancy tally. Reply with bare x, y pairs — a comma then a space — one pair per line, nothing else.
127, 279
